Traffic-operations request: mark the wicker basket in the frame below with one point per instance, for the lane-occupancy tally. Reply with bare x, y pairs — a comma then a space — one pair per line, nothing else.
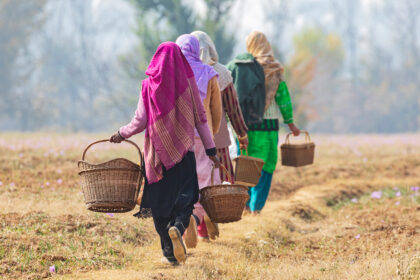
112, 186
248, 170
297, 154
224, 203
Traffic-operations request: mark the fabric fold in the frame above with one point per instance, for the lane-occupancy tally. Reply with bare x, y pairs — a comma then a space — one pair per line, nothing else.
258, 45
172, 109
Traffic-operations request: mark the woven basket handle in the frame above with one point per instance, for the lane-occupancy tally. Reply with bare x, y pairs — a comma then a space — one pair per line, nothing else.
246, 151
255, 164
107, 140
224, 169
307, 137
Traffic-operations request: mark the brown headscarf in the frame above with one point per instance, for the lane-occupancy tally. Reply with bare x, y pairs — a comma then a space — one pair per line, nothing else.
258, 45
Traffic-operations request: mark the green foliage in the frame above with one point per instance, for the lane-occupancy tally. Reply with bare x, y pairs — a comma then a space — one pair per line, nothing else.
162, 20
214, 23
318, 55
159, 21
19, 20
326, 48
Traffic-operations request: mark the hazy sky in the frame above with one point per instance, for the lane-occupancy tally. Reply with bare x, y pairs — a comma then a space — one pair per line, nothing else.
248, 15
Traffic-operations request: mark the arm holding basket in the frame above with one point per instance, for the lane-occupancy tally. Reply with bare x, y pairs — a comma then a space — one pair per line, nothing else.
233, 110
138, 124
285, 104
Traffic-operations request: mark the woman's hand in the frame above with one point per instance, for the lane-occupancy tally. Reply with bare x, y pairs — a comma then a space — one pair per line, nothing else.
116, 138
294, 129
243, 142
215, 161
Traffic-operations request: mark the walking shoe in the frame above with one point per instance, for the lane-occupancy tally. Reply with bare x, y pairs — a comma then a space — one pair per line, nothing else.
204, 238
255, 213
164, 260
180, 252
190, 235
212, 228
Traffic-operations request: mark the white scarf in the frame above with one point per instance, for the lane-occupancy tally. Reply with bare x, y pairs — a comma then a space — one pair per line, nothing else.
208, 55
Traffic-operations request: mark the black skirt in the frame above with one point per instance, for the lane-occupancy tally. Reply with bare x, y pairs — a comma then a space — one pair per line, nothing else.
178, 189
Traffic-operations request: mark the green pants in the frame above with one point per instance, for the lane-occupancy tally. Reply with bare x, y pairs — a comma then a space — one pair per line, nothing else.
263, 145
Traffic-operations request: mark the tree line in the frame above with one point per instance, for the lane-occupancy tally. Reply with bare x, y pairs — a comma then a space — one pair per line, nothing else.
67, 65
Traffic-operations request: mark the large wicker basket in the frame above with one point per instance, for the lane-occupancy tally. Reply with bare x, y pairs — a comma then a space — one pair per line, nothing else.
112, 186
297, 155
224, 203
248, 170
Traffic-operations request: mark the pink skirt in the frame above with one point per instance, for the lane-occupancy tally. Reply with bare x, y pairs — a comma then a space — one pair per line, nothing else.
204, 169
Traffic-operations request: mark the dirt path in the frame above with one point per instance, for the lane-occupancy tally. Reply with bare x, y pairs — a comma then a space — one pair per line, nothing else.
205, 258
310, 228
295, 238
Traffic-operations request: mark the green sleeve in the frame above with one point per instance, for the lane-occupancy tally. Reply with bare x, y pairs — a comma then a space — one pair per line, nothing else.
284, 102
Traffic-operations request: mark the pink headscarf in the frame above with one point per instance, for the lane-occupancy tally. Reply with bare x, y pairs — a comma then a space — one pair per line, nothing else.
171, 110
190, 47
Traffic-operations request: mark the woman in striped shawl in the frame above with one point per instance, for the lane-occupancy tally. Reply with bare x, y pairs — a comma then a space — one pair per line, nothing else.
170, 110
230, 103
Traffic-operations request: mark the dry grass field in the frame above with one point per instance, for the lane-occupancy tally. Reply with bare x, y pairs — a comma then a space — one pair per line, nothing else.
354, 214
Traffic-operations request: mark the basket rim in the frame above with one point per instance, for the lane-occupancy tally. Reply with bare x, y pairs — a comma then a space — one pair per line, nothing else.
107, 169
248, 157
227, 185
296, 146
102, 163
245, 184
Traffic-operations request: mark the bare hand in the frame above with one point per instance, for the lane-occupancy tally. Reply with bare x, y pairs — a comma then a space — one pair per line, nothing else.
294, 129
215, 161
116, 138
243, 142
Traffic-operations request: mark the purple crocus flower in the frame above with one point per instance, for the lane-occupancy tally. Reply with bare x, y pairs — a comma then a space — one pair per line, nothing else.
354, 200
357, 152
52, 269
377, 195
415, 188
110, 214
398, 193
357, 236
397, 203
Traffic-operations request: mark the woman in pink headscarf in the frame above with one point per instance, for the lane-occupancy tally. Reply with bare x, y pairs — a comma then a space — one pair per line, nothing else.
171, 112
208, 87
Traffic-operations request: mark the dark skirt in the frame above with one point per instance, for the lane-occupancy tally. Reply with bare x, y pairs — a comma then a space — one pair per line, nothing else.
177, 190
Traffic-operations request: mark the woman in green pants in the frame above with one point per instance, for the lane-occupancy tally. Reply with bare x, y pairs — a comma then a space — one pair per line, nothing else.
264, 98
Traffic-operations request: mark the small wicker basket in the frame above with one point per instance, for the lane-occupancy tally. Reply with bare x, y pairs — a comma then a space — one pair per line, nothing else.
248, 170
297, 155
224, 203
112, 186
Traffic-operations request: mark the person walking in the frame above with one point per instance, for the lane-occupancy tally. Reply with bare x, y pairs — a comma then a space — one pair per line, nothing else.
208, 87
264, 98
170, 111
231, 108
